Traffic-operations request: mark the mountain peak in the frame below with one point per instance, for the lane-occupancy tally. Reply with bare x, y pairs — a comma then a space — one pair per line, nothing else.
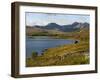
52, 24
75, 23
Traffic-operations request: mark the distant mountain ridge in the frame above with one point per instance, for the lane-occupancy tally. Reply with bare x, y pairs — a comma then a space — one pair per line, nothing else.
64, 28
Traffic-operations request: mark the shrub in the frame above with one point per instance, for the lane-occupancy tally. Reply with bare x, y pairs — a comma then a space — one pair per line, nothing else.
34, 54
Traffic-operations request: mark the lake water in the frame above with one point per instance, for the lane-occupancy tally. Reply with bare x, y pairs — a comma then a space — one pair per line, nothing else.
40, 43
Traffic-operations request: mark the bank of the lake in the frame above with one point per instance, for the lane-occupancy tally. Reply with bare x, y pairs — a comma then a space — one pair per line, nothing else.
74, 54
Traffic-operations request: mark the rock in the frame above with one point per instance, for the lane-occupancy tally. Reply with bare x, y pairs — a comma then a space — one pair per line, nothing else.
76, 42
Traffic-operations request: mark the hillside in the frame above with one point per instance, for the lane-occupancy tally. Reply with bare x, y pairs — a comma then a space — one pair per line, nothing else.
53, 28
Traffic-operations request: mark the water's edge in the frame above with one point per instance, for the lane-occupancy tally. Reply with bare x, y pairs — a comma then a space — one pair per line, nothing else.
39, 44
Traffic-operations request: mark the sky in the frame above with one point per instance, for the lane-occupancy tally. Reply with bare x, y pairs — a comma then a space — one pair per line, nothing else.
61, 19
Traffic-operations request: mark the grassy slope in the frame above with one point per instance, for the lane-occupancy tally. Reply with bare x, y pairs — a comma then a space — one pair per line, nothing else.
66, 54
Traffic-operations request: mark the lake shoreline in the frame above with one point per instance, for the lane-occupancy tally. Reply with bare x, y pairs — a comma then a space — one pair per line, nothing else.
49, 38
58, 54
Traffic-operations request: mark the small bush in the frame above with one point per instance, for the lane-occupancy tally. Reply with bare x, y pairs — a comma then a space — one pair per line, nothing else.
34, 54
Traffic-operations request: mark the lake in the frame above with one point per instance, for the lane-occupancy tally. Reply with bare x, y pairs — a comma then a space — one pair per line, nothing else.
40, 43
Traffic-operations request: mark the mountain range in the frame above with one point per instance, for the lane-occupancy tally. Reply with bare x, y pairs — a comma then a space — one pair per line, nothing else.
54, 28
64, 28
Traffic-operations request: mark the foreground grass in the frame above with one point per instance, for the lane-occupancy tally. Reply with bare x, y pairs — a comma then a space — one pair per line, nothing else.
74, 54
